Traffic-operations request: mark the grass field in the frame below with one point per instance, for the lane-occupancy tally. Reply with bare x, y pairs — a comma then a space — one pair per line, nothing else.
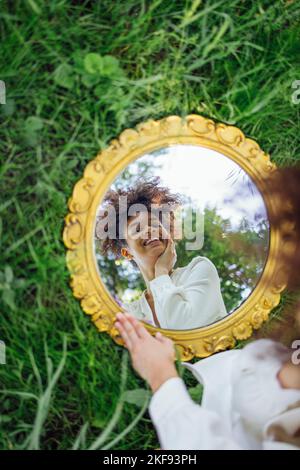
233, 61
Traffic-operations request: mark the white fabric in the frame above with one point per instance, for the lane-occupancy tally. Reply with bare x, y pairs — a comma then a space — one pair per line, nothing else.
242, 398
189, 298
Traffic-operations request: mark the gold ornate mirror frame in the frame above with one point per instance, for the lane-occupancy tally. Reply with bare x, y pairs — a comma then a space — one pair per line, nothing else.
78, 234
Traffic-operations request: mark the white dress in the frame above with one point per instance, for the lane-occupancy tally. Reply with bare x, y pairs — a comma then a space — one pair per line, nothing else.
242, 398
188, 298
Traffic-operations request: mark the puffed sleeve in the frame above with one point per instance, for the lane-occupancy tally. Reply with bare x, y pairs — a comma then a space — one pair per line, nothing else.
197, 302
181, 424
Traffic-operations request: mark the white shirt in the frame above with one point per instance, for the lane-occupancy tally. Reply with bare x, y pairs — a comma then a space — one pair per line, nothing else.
242, 398
188, 298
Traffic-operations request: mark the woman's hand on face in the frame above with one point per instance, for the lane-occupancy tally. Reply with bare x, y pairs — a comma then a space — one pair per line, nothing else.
166, 260
152, 357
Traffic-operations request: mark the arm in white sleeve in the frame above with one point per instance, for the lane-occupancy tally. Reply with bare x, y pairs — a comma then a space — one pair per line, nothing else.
181, 424
195, 303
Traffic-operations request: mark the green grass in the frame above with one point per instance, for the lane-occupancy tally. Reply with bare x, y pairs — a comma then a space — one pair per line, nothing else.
233, 61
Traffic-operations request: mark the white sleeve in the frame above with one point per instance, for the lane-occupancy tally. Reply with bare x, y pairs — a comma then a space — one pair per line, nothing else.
195, 303
134, 309
181, 424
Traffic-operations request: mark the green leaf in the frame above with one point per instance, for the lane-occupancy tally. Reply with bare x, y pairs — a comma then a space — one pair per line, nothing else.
93, 63
8, 108
8, 274
33, 124
71, 163
109, 93
137, 396
111, 67
19, 283
106, 66
90, 80
8, 296
196, 392
99, 423
64, 76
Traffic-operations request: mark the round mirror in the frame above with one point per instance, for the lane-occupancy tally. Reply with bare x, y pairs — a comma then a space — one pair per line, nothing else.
220, 233
170, 222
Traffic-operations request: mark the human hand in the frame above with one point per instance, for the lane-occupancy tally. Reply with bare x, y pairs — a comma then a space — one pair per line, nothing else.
152, 357
166, 260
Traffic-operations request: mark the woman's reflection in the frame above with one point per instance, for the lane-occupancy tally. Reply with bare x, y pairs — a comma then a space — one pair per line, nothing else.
182, 298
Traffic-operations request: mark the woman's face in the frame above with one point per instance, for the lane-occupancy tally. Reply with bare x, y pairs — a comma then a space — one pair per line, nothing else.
146, 239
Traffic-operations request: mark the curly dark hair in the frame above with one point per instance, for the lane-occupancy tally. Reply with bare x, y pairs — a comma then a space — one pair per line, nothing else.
144, 192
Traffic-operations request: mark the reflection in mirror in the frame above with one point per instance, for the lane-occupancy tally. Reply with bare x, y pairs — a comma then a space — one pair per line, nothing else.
181, 237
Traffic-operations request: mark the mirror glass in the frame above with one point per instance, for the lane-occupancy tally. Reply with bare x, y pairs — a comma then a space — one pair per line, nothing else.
216, 217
